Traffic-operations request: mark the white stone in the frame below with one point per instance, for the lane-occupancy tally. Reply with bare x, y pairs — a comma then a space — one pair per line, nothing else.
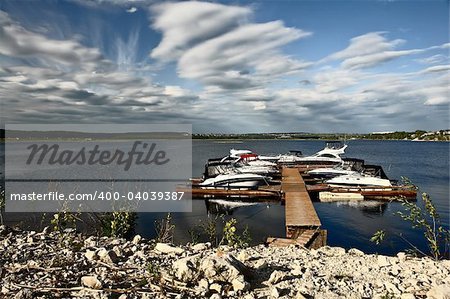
401, 256
439, 292
276, 277
299, 296
383, 261
137, 239
239, 284
215, 296
274, 293
91, 282
200, 247
203, 284
260, 264
354, 251
90, 255
90, 242
407, 296
211, 264
243, 256
166, 248
216, 287
183, 268
391, 288
330, 251
107, 256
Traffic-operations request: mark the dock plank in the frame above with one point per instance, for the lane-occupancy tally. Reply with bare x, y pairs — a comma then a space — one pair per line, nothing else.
299, 209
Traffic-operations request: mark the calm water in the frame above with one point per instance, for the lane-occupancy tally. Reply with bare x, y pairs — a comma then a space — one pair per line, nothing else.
425, 163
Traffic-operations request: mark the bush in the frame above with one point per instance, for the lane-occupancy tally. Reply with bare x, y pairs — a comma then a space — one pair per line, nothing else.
429, 222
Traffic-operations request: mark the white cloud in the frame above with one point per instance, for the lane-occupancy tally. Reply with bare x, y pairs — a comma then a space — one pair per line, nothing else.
131, 9
185, 24
438, 58
369, 50
218, 46
437, 69
228, 60
19, 42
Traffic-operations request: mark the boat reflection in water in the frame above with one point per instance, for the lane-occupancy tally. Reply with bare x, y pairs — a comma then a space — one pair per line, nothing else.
368, 207
226, 206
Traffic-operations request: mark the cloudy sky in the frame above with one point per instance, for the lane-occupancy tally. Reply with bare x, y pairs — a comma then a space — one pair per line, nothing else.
239, 66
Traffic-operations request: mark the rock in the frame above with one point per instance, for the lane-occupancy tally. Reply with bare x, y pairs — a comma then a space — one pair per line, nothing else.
215, 296
200, 247
439, 292
297, 271
218, 268
401, 256
107, 256
166, 248
382, 261
118, 251
243, 256
395, 270
136, 240
90, 255
407, 296
331, 251
274, 293
203, 284
299, 296
276, 277
354, 251
184, 268
260, 264
391, 288
91, 282
116, 242
239, 284
216, 287
90, 242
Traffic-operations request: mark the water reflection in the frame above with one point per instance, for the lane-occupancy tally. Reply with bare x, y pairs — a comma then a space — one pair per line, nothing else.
225, 206
369, 207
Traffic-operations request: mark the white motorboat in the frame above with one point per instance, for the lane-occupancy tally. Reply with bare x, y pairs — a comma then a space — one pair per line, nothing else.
330, 172
237, 153
235, 181
358, 179
330, 155
347, 167
254, 160
261, 170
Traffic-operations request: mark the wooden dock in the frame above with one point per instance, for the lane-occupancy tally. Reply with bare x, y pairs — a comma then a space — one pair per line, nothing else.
302, 223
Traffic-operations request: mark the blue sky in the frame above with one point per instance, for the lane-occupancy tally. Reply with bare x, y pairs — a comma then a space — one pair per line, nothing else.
240, 66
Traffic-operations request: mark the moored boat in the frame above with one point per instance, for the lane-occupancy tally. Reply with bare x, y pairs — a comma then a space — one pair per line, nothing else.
235, 181
358, 179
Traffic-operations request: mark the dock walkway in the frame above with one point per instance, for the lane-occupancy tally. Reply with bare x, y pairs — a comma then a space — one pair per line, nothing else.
299, 208
302, 222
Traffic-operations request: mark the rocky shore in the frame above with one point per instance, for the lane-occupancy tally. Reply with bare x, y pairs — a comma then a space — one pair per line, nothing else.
54, 265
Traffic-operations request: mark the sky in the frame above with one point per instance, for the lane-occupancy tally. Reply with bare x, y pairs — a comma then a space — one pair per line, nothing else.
227, 67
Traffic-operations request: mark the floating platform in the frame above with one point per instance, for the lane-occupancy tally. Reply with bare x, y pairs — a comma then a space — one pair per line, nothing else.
327, 196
